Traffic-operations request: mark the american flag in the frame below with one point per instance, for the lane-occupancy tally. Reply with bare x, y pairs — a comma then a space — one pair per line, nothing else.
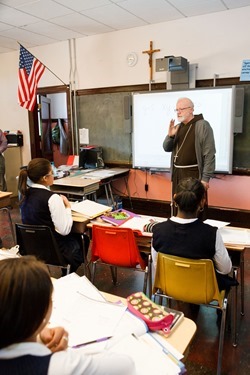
30, 72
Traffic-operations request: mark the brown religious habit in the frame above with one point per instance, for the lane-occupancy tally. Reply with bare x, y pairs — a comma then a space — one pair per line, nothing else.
150, 59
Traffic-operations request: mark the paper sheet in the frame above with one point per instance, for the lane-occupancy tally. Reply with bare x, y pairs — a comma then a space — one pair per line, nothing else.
137, 223
216, 223
84, 136
148, 358
80, 308
235, 236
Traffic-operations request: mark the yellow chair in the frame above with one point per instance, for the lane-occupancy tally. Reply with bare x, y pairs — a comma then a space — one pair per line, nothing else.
192, 281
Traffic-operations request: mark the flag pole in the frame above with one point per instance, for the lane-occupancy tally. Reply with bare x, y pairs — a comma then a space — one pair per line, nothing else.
44, 65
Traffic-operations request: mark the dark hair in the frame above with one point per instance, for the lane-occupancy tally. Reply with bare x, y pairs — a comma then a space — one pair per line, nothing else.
36, 169
25, 295
189, 194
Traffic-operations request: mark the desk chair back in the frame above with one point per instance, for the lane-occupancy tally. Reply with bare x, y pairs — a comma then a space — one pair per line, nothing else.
187, 280
192, 281
38, 240
117, 247
7, 233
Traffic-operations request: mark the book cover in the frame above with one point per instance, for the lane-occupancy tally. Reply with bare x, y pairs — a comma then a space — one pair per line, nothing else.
118, 217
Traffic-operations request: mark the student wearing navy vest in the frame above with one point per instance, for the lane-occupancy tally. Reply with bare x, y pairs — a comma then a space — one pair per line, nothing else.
40, 206
187, 236
27, 345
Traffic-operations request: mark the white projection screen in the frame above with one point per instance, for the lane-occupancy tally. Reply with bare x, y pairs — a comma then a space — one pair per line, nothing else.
152, 112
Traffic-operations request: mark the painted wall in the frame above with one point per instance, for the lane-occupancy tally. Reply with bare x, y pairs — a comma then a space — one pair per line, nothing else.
216, 42
225, 191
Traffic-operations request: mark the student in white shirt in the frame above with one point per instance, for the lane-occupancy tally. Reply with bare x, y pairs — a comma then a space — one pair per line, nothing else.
27, 346
40, 206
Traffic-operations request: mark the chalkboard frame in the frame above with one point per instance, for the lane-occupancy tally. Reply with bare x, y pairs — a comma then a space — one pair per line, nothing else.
152, 112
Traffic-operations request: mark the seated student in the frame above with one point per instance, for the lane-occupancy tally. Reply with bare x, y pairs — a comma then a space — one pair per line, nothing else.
27, 346
40, 206
187, 236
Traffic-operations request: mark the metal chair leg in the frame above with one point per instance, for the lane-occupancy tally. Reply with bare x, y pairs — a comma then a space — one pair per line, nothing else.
114, 274
242, 285
150, 287
221, 339
145, 282
93, 272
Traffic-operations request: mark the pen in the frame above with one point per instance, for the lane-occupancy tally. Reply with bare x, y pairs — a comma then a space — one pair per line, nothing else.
91, 342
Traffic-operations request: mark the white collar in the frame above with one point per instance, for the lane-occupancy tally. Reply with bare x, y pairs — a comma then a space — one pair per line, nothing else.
180, 220
38, 186
24, 348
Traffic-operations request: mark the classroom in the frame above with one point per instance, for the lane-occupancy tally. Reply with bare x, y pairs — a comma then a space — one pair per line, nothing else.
103, 69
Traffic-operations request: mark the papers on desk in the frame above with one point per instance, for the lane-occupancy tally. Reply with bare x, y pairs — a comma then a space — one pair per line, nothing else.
235, 236
83, 311
137, 223
89, 209
80, 308
151, 353
216, 223
147, 356
101, 173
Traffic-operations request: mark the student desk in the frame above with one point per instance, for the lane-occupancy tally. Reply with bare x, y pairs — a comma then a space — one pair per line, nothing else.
89, 181
106, 177
182, 335
76, 185
237, 241
236, 248
5, 199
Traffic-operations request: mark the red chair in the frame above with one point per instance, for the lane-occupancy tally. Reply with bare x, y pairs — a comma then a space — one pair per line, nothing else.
117, 247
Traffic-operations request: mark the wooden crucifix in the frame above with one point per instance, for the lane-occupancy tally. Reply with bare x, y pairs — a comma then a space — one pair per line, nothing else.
150, 59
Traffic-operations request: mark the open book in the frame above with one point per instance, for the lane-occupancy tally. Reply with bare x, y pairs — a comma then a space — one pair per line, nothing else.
89, 209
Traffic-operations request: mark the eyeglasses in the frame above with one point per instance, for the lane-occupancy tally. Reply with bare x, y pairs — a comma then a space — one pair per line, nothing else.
181, 109
50, 174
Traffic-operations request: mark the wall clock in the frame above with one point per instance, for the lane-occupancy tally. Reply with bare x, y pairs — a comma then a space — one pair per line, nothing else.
132, 59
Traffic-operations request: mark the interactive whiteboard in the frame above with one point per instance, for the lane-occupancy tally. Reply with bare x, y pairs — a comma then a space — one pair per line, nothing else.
153, 111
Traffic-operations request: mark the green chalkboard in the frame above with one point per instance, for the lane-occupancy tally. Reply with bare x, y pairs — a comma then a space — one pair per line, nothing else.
109, 127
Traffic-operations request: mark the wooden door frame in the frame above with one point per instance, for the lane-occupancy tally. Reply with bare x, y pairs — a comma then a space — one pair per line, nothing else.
33, 120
